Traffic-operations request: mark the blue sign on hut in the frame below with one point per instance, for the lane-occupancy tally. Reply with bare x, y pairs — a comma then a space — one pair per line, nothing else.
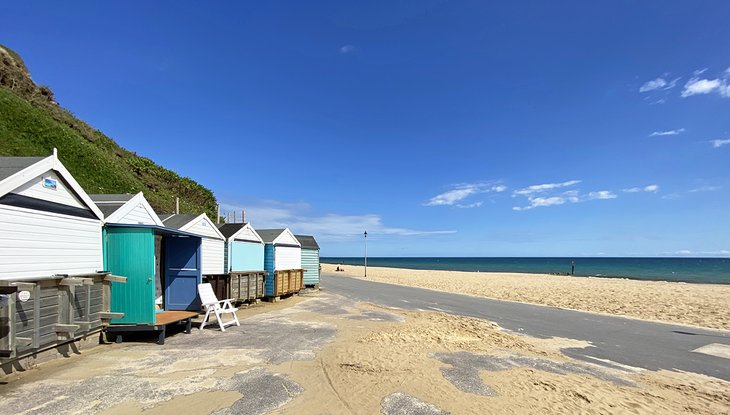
163, 266
244, 264
282, 262
53, 289
310, 260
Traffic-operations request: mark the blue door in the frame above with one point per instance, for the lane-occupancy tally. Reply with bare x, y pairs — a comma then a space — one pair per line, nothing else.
182, 273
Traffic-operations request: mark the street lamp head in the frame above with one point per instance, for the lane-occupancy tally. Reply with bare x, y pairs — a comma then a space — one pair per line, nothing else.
366, 234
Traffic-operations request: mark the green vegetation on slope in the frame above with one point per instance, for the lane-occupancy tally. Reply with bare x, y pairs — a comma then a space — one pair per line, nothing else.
32, 124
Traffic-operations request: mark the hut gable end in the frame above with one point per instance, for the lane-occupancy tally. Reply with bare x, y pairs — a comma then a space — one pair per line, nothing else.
286, 238
48, 186
125, 210
202, 225
45, 179
247, 233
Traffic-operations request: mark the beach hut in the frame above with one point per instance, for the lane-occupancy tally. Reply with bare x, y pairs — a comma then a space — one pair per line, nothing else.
162, 266
310, 260
213, 245
53, 287
282, 262
244, 264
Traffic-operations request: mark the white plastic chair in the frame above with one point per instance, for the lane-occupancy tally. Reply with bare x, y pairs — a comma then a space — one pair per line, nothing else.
218, 307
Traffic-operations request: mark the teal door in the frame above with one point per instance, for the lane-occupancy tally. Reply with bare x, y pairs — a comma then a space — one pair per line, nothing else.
130, 252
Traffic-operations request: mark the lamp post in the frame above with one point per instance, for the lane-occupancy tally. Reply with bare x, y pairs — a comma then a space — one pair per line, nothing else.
366, 254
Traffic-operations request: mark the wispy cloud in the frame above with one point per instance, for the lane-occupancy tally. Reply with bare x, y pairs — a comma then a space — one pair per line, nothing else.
327, 227
344, 49
602, 195
540, 188
720, 142
650, 188
689, 252
667, 132
705, 189
542, 202
658, 83
462, 191
543, 195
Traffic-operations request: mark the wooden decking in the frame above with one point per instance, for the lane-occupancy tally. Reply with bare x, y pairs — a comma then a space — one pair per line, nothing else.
162, 320
169, 317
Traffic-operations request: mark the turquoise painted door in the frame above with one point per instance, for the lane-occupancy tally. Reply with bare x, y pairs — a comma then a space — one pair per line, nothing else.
130, 252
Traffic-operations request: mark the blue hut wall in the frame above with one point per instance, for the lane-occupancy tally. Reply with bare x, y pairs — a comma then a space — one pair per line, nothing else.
269, 268
245, 256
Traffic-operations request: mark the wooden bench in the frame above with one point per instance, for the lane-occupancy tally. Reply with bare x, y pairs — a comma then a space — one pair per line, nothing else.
162, 320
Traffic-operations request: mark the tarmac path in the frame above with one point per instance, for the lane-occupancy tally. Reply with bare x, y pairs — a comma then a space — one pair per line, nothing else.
615, 341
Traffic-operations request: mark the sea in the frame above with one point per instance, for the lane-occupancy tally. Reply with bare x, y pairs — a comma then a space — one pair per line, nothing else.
694, 270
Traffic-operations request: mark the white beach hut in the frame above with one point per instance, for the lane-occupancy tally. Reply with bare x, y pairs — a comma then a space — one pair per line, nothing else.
213, 245
48, 224
127, 209
53, 290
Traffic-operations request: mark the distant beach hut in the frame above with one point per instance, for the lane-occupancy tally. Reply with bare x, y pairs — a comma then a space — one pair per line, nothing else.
244, 263
282, 262
213, 245
53, 289
310, 260
163, 265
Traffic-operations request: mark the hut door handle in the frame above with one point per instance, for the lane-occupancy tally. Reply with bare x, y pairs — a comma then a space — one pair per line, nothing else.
149, 279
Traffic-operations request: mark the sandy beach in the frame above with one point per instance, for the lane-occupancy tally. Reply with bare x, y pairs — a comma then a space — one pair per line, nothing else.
704, 305
326, 354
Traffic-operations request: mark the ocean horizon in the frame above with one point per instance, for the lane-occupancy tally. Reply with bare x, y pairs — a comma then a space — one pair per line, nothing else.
712, 270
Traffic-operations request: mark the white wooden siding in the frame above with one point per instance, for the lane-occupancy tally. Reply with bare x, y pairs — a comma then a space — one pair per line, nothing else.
287, 257
37, 244
203, 227
138, 216
61, 194
213, 252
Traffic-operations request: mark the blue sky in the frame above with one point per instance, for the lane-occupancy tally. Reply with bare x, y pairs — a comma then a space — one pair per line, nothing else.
442, 128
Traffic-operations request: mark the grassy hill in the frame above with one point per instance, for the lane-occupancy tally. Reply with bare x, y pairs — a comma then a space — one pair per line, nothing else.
32, 124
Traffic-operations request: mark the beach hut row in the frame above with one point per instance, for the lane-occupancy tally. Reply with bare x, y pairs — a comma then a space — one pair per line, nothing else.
73, 263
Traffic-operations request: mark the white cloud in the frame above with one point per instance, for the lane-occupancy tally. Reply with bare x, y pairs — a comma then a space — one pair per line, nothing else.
658, 83
720, 143
470, 205
653, 188
698, 253
696, 86
602, 195
328, 227
541, 202
540, 188
569, 196
463, 191
668, 132
705, 189
653, 84
347, 49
